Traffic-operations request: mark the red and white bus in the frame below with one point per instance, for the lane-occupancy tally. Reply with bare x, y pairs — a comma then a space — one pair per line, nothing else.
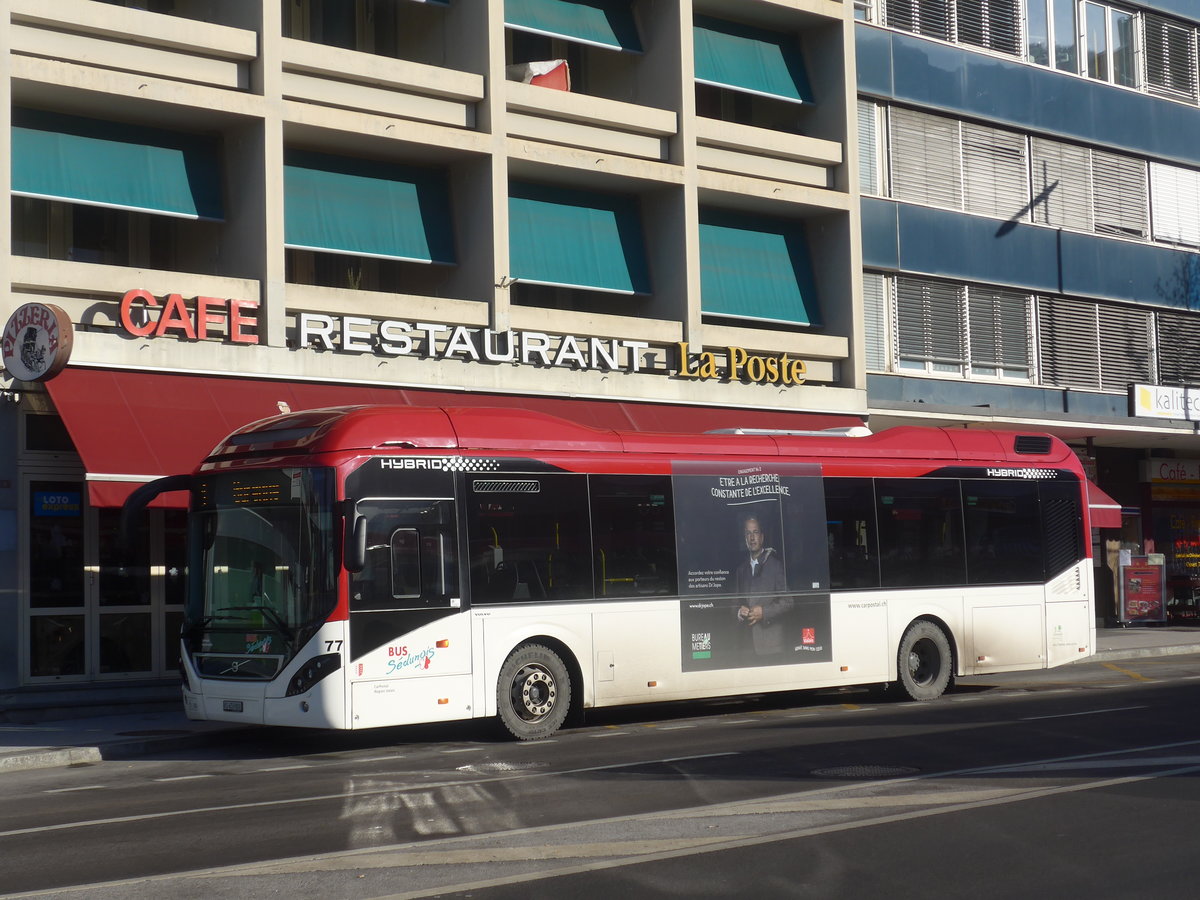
369, 566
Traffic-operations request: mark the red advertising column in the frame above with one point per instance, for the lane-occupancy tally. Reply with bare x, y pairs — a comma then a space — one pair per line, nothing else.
1142, 590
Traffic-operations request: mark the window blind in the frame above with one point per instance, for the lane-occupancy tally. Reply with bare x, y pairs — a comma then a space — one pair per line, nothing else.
1067, 343
1119, 194
929, 326
999, 330
1170, 58
1126, 355
995, 171
1062, 175
925, 159
875, 321
1175, 204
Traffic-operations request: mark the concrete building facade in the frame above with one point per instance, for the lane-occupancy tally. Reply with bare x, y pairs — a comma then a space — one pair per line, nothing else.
640, 213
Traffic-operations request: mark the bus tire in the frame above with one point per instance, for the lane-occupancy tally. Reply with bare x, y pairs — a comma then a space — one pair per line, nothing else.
533, 694
924, 663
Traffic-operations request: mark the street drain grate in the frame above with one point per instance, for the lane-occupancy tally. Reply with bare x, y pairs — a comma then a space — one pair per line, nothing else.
865, 772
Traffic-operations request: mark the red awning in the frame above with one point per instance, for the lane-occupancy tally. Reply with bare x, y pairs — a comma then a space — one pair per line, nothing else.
132, 427
1105, 511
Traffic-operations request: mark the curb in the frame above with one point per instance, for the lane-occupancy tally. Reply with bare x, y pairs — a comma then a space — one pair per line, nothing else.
60, 757
1139, 653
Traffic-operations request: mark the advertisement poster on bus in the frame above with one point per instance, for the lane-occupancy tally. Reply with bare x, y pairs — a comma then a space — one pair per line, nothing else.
753, 565
1142, 590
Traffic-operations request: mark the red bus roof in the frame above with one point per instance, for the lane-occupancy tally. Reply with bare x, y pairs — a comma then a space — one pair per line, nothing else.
520, 431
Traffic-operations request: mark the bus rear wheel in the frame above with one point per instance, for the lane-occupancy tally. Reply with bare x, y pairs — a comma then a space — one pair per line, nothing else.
923, 662
533, 694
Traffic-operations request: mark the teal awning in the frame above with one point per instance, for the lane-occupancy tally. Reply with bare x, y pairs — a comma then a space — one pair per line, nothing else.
102, 163
751, 60
602, 23
338, 205
577, 239
756, 268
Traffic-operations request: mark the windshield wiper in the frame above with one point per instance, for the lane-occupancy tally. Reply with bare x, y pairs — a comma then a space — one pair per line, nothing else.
269, 614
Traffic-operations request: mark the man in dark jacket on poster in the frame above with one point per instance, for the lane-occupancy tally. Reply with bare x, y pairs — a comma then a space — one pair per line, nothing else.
762, 573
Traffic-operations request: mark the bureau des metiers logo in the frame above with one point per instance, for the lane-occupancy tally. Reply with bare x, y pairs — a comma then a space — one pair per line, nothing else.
37, 342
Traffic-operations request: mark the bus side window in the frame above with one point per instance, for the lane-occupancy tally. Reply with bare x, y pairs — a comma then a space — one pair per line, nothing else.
410, 561
1003, 532
633, 528
852, 533
920, 531
528, 537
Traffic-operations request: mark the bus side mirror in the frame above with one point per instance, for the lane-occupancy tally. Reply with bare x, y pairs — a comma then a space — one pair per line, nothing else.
135, 507
355, 555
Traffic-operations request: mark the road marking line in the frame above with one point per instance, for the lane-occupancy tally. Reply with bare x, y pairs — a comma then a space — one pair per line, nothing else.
86, 787
1134, 675
184, 778
285, 768
1090, 712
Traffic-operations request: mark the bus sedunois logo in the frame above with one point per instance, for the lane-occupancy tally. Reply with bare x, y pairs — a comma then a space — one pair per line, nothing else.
37, 342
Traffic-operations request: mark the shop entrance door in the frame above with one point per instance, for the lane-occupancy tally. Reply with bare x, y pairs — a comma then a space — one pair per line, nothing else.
96, 610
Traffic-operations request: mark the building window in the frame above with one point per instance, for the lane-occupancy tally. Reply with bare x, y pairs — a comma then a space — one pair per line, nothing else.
1170, 58
1093, 346
49, 229
750, 75
991, 24
1177, 340
998, 329
954, 329
1109, 37
869, 148
381, 27
925, 158
938, 161
877, 331
600, 43
929, 326
931, 18
1175, 200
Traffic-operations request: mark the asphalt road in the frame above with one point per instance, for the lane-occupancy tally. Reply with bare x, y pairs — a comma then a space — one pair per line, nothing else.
1055, 783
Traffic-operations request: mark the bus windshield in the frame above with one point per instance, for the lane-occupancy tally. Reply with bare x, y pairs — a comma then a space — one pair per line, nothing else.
262, 571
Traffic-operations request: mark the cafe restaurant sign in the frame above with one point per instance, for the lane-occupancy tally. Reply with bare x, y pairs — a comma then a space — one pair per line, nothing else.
360, 334
144, 315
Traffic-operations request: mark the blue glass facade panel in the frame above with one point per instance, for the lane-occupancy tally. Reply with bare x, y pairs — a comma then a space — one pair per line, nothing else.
982, 397
880, 235
939, 76
972, 248
1185, 9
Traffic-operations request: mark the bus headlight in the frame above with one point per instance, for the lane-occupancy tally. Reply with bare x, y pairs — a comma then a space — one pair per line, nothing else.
312, 672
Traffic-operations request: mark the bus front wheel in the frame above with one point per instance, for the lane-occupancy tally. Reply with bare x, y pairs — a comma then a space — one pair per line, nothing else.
533, 694
924, 662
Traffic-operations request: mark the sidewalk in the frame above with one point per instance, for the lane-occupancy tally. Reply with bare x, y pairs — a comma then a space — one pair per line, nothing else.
26, 744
